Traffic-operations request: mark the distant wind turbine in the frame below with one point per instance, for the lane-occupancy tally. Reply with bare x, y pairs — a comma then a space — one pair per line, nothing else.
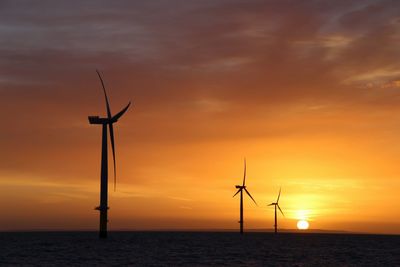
276, 204
241, 188
108, 121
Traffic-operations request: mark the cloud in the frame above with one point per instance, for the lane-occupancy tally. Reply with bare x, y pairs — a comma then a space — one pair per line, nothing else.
228, 60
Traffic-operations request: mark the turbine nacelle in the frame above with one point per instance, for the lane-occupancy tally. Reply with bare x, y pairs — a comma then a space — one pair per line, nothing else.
98, 120
240, 186
108, 120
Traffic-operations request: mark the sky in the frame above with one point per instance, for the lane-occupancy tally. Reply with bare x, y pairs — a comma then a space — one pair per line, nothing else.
307, 91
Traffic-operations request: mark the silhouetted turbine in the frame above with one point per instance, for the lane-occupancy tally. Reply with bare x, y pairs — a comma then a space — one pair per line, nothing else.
241, 188
276, 204
108, 121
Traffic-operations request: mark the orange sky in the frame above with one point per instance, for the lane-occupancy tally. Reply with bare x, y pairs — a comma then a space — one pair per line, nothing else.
309, 93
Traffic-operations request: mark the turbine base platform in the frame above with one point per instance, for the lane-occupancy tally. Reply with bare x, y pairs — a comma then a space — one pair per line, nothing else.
99, 208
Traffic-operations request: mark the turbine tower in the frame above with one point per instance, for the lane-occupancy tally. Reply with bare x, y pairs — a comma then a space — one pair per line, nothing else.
276, 204
241, 188
107, 121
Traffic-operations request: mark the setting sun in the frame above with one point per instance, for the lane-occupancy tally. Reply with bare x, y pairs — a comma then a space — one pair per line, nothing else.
302, 225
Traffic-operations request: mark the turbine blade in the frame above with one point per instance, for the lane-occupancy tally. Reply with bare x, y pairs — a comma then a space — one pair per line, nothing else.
244, 176
113, 153
119, 114
279, 195
105, 95
281, 210
251, 196
237, 192
271, 204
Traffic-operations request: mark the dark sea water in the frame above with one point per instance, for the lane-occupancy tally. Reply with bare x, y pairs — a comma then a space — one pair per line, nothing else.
197, 249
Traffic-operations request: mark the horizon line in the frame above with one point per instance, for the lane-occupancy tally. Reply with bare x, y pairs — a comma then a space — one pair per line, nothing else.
210, 230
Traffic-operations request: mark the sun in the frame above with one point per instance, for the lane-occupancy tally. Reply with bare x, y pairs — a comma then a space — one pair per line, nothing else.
302, 225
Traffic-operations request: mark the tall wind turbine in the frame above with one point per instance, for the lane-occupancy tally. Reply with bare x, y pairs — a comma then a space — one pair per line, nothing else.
241, 188
276, 204
107, 121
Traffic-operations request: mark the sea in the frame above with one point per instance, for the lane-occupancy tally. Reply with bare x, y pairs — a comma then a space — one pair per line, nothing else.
197, 249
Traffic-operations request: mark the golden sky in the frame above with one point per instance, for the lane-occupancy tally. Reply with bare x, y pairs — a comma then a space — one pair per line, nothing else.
307, 91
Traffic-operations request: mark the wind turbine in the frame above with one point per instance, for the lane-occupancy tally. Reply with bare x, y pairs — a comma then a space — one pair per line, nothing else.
241, 188
276, 204
107, 121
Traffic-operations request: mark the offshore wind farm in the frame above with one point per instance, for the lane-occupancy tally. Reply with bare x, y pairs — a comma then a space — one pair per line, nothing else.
291, 105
